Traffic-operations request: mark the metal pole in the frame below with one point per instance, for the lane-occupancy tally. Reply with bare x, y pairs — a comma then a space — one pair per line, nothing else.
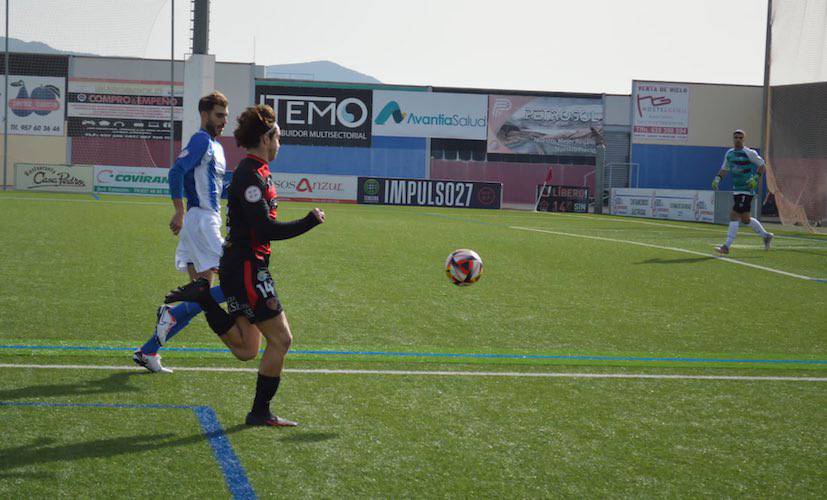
6, 105
427, 151
599, 165
172, 85
765, 105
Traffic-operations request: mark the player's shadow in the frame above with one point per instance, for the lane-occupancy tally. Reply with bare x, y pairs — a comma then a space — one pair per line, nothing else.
684, 260
689, 260
42, 451
117, 382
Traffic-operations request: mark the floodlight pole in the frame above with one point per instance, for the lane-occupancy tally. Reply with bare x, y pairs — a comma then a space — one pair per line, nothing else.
200, 26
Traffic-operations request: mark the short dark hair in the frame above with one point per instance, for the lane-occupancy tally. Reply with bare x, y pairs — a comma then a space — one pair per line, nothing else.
211, 100
252, 123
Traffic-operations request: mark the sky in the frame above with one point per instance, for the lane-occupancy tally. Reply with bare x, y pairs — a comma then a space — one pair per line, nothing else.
595, 46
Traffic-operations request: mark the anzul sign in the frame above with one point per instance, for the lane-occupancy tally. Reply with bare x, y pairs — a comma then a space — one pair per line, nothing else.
315, 187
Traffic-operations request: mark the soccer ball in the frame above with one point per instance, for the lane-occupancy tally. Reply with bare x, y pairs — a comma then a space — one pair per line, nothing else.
463, 267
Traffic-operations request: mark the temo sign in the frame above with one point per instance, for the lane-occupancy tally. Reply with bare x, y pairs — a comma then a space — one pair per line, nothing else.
315, 187
320, 116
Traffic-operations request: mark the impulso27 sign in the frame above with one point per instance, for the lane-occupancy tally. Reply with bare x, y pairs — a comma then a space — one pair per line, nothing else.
429, 193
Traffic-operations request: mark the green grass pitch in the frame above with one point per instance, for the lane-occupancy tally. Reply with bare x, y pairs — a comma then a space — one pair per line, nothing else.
561, 294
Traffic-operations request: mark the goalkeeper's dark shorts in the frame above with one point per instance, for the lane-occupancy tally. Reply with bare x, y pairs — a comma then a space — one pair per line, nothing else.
741, 203
248, 286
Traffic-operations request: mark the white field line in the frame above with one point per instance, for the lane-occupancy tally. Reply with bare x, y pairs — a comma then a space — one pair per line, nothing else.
719, 230
85, 200
417, 373
157, 203
591, 217
774, 246
674, 249
627, 220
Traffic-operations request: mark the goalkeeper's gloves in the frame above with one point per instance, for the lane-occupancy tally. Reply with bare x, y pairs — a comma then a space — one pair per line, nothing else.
715, 182
752, 183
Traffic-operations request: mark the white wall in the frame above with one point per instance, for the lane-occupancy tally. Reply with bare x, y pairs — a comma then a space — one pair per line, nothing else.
235, 80
617, 110
124, 68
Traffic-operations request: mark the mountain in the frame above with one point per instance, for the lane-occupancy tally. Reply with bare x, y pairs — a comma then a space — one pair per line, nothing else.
16, 45
325, 71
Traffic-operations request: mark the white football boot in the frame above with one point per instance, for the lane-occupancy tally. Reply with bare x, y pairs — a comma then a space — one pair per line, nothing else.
151, 362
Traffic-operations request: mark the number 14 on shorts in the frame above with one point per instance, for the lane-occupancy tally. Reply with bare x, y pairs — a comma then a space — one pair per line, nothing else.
265, 284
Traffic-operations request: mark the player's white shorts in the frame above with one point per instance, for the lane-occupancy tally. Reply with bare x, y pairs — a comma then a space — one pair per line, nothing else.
200, 241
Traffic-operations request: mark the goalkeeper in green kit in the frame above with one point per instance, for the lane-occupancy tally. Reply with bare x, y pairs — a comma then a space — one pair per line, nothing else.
746, 168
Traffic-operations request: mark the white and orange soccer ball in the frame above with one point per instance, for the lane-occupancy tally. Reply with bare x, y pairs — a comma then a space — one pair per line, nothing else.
463, 267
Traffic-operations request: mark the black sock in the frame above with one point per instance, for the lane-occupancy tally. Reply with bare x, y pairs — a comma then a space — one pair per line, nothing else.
219, 320
266, 388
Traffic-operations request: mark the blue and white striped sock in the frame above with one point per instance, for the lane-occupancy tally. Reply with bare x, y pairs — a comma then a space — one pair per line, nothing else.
183, 314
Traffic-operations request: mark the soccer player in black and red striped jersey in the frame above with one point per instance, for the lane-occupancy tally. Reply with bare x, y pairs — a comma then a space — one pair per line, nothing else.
253, 306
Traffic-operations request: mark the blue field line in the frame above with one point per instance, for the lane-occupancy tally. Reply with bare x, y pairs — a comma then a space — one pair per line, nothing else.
234, 474
233, 471
562, 357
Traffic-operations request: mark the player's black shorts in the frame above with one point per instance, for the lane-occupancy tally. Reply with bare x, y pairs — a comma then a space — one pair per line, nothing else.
742, 203
248, 286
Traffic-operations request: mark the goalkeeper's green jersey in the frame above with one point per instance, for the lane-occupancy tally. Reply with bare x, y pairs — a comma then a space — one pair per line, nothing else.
742, 164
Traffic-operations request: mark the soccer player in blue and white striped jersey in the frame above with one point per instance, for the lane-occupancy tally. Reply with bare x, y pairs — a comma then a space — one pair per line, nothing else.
198, 175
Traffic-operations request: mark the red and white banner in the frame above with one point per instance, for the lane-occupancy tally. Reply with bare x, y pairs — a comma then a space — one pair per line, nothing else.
660, 111
315, 187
